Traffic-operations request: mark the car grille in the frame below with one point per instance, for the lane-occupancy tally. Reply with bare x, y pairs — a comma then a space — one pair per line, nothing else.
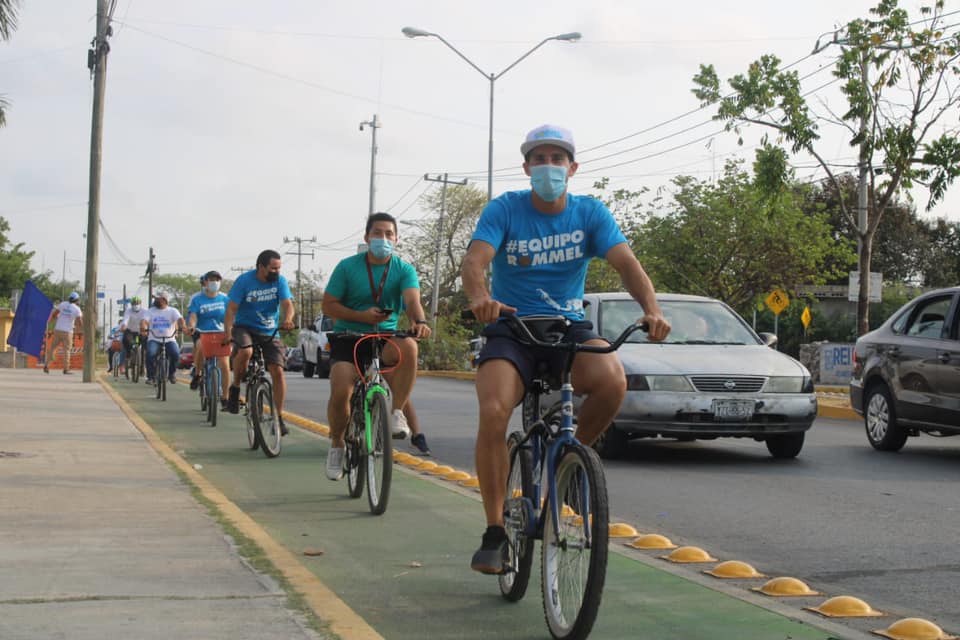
728, 384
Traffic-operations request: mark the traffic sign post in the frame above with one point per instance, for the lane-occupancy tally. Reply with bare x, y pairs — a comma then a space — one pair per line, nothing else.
777, 301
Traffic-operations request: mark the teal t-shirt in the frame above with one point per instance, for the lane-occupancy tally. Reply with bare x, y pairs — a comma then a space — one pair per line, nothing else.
350, 284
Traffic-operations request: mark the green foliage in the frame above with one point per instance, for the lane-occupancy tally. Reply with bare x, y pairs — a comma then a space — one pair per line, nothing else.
14, 263
897, 76
735, 240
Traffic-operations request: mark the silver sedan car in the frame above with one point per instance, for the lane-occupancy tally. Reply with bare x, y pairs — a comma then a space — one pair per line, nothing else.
713, 377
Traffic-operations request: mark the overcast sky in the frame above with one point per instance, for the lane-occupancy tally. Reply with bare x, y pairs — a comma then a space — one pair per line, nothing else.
231, 124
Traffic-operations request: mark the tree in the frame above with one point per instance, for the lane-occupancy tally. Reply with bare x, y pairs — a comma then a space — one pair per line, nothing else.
736, 239
14, 262
8, 22
940, 264
899, 81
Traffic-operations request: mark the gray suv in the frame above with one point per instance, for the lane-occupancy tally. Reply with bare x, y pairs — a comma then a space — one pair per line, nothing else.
906, 373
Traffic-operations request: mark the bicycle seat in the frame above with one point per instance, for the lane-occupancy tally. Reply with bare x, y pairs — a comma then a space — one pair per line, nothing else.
546, 328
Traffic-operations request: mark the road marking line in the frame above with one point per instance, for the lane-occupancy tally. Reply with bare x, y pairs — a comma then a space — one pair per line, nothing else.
329, 608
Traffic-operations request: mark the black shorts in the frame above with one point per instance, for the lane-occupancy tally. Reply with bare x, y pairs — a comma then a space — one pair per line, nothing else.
274, 351
531, 361
341, 349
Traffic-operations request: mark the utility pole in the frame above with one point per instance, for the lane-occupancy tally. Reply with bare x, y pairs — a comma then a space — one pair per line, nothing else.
300, 253
374, 125
434, 299
97, 63
151, 268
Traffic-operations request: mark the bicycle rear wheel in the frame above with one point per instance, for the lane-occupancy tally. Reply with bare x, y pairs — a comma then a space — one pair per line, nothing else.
379, 456
516, 518
574, 561
250, 412
115, 364
354, 467
204, 397
267, 424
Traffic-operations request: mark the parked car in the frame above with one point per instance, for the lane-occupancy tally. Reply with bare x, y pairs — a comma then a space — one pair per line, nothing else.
294, 359
906, 373
713, 377
186, 355
313, 345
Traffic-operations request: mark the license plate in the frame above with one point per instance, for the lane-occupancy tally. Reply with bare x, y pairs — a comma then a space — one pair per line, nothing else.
729, 409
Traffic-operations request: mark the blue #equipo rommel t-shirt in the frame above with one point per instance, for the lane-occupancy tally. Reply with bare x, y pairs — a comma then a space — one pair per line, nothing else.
541, 260
210, 311
259, 302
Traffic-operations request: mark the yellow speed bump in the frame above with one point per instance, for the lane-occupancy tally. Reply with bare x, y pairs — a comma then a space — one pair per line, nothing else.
785, 587
566, 511
471, 482
845, 607
426, 465
438, 470
914, 629
653, 541
402, 457
622, 530
734, 569
454, 476
689, 555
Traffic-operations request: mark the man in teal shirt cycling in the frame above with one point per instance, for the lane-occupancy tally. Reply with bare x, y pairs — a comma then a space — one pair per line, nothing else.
364, 294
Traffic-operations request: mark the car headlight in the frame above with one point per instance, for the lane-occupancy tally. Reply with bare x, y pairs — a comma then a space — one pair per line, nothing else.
789, 384
636, 382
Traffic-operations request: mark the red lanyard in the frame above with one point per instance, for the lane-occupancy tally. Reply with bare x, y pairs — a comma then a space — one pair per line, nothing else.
377, 292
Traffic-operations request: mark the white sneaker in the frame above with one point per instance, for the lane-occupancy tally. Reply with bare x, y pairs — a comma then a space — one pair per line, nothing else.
335, 463
400, 428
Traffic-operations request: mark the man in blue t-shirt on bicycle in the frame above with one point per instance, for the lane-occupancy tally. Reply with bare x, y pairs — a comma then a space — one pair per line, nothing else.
257, 300
364, 294
540, 242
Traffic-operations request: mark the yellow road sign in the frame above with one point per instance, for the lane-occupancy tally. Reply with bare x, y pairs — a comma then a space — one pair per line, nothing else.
778, 300
805, 317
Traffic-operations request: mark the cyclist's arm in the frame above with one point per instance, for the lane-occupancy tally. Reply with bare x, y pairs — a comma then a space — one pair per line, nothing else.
228, 321
286, 314
335, 309
473, 274
415, 313
192, 322
636, 281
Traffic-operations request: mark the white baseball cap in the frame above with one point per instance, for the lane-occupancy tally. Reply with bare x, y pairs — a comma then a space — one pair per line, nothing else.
548, 134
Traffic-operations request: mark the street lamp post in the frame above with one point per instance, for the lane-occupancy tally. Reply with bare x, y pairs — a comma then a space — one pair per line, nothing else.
412, 32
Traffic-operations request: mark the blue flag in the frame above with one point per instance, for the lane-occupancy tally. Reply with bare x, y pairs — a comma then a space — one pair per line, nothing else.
30, 321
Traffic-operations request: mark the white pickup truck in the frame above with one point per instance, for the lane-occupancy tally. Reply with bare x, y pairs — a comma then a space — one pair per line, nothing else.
312, 342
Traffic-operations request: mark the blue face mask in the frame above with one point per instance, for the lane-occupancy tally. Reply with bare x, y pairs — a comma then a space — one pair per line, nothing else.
213, 286
548, 181
381, 248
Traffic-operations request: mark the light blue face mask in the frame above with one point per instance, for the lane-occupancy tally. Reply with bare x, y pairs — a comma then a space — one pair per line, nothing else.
213, 286
548, 181
381, 248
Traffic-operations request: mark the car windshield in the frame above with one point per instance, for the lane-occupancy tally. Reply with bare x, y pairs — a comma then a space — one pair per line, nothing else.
692, 322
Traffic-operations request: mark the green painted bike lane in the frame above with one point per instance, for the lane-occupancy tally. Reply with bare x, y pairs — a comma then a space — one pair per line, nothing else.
406, 573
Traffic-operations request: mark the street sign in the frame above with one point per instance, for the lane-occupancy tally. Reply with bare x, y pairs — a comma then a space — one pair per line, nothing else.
805, 317
875, 287
778, 300
101, 295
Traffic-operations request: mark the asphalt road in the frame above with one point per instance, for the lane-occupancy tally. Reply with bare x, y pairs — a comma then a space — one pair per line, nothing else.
842, 517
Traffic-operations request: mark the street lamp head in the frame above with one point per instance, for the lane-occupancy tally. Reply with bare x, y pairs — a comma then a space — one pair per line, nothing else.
573, 36
413, 32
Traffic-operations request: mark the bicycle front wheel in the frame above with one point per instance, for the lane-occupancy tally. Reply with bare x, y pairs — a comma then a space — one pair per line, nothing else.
379, 453
115, 365
161, 378
250, 411
135, 363
213, 394
574, 560
267, 424
517, 510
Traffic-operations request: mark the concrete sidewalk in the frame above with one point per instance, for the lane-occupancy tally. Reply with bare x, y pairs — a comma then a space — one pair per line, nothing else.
99, 537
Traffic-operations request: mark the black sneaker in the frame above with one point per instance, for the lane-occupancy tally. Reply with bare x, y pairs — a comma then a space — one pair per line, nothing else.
223, 404
194, 382
493, 555
172, 379
283, 428
419, 442
233, 401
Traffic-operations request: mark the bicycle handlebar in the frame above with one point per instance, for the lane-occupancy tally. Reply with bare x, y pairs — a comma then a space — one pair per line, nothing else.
523, 334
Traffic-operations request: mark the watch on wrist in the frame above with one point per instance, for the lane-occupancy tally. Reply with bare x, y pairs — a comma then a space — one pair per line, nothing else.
421, 322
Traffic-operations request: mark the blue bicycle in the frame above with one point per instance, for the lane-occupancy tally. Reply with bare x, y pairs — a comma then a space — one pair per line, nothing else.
212, 347
571, 494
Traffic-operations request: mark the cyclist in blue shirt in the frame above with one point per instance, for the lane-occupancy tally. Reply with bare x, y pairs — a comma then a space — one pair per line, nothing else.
205, 315
540, 242
257, 300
